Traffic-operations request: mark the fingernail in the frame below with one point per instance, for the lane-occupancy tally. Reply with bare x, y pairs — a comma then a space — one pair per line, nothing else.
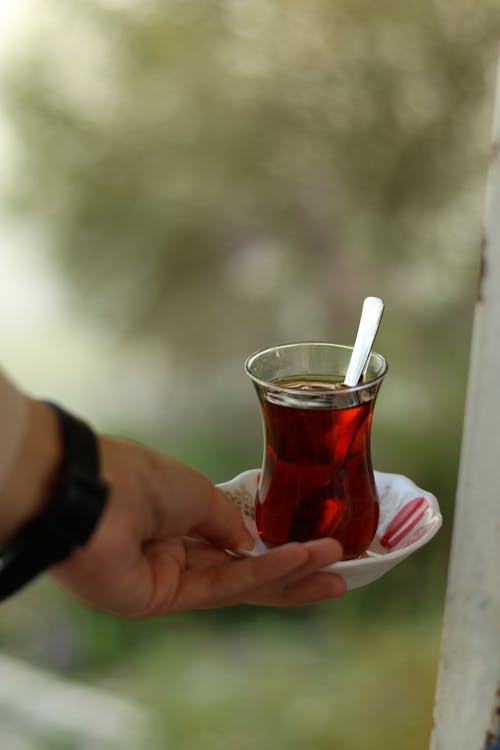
246, 542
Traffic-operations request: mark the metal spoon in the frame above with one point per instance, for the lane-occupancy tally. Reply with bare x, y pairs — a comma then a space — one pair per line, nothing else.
371, 314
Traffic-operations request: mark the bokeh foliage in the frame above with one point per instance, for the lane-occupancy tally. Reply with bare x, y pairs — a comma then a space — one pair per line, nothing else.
215, 177
263, 158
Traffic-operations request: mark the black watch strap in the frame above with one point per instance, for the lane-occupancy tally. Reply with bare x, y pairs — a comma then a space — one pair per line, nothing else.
69, 518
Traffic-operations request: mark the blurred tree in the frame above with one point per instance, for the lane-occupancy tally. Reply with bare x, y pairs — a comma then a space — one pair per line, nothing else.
217, 177
194, 161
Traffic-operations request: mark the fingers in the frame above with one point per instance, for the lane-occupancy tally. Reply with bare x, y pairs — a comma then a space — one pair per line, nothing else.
224, 584
307, 584
313, 588
286, 576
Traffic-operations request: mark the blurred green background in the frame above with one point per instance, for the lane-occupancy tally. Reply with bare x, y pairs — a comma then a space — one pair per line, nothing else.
203, 179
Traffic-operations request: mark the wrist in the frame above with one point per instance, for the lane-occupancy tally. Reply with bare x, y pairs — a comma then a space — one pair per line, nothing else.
33, 474
55, 496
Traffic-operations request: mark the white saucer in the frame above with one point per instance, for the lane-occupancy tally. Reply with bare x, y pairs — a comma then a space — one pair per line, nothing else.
409, 518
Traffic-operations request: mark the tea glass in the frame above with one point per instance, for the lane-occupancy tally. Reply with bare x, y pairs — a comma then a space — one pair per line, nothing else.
317, 477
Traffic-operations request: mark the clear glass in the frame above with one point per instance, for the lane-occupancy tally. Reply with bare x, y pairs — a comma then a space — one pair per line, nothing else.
317, 476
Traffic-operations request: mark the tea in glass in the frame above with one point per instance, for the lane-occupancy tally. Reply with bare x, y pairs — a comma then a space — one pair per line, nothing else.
317, 478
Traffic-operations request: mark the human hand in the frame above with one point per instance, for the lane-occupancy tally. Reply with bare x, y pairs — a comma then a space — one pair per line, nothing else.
160, 546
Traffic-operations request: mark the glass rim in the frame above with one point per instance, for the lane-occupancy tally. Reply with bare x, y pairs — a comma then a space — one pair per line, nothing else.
327, 345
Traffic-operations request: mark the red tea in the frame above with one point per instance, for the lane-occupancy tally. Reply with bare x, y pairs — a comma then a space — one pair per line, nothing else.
317, 478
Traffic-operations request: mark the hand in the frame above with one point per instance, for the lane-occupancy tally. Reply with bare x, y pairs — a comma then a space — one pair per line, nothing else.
160, 546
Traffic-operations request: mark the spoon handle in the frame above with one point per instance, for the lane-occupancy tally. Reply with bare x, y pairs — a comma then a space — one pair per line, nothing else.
371, 315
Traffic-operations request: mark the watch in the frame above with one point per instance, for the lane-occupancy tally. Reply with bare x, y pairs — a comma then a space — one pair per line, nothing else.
70, 517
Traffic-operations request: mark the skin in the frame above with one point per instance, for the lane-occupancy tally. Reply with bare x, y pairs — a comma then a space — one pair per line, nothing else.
161, 543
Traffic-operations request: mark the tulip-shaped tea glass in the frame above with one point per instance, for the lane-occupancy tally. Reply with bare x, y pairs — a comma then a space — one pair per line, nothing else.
317, 477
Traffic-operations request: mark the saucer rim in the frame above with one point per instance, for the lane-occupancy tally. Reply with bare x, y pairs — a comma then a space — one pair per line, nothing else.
375, 559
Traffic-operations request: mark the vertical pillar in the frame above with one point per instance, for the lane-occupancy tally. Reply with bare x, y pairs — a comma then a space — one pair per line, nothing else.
467, 711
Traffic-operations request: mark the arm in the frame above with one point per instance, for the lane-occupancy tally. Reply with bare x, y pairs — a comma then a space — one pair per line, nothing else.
159, 546
33, 470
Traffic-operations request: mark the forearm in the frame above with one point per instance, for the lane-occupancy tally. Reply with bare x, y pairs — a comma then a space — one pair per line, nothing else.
29, 481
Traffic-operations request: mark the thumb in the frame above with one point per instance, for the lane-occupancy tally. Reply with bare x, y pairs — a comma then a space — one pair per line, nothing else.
223, 524
187, 503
